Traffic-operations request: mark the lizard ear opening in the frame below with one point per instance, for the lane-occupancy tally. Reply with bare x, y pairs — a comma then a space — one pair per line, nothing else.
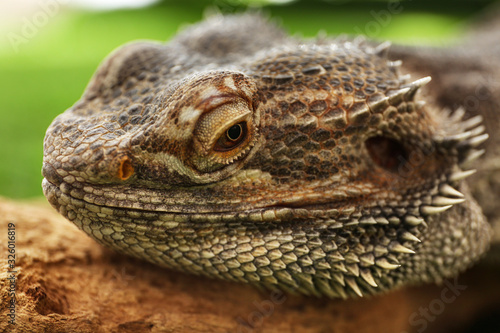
386, 153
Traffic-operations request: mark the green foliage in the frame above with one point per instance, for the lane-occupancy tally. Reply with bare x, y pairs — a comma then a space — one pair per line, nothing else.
46, 73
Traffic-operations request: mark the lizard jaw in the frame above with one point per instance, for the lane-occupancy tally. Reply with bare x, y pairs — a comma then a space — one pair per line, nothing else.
365, 269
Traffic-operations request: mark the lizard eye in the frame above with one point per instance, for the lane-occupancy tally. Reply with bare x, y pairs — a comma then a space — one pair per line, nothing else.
223, 135
232, 138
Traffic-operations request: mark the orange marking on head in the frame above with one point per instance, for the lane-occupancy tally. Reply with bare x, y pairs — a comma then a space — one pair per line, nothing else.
125, 170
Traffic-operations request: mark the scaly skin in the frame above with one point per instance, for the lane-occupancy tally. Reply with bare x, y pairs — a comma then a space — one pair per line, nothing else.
239, 153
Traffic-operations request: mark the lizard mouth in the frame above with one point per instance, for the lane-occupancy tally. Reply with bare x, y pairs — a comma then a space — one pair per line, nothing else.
321, 202
349, 208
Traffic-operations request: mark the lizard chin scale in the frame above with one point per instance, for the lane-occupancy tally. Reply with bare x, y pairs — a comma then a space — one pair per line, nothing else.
308, 167
258, 239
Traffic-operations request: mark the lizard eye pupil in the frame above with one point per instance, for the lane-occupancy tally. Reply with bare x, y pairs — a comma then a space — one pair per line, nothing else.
232, 138
234, 132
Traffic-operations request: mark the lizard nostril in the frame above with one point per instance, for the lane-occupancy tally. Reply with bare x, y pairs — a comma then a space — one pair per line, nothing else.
387, 153
125, 170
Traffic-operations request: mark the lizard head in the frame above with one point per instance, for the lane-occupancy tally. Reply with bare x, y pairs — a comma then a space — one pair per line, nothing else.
310, 167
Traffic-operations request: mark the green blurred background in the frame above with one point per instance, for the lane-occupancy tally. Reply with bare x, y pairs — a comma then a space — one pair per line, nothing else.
48, 53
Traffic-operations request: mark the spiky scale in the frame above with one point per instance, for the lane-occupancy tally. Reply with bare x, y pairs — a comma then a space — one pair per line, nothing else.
394, 220
445, 201
449, 191
367, 220
326, 288
368, 277
335, 257
473, 155
471, 122
397, 97
458, 114
461, 175
413, 220
339, 278
396, 63
432, 210
478, 130
381, 220
340, 290
351, 282
353, 269
398, 248
382, 50
406, 235
477, 140
380, 250
351, 258
385, 264
420, 104
367, 259
287, 278
415, 86
322, 265
379, 105
351, 223
459, 137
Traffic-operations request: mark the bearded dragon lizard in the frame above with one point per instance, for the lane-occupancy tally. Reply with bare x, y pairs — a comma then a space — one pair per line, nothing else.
237, 152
